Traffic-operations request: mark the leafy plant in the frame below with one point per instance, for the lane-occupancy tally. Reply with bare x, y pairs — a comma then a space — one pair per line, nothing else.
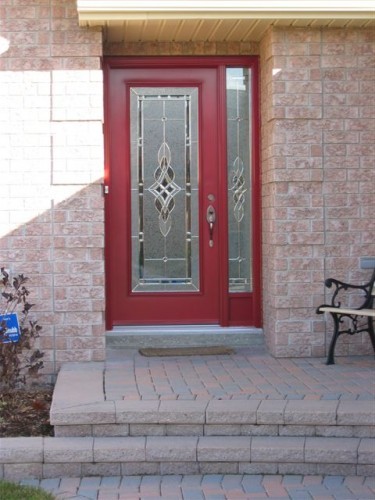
18, 359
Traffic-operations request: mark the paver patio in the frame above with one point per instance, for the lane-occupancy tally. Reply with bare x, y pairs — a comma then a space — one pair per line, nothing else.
249, 373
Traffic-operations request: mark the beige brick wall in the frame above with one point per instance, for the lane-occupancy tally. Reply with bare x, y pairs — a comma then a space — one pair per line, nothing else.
180, 48
51, 163
317, 171
317, 89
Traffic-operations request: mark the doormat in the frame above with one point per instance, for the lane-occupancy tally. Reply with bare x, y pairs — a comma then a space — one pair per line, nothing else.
186, 351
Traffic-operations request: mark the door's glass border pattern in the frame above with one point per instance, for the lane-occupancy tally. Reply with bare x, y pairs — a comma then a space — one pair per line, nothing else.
164, 147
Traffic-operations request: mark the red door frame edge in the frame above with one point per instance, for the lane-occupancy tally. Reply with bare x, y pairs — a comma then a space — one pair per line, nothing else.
256, 198
220, 62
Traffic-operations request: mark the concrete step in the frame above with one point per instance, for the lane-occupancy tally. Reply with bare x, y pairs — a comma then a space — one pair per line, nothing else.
135, 337
80, 408
263, 436
114, 456
293, 418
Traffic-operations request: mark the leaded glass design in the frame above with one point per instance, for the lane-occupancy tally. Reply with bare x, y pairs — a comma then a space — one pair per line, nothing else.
164, 189
239, 181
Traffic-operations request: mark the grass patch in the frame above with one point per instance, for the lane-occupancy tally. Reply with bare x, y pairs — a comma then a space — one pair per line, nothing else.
12, 491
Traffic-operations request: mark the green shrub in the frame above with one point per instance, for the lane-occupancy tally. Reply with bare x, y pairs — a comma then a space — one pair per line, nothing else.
11, 491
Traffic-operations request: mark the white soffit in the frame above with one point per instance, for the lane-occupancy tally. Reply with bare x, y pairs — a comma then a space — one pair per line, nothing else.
217, 20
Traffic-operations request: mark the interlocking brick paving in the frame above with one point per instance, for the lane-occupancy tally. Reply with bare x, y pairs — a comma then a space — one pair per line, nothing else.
247, 374
211, 486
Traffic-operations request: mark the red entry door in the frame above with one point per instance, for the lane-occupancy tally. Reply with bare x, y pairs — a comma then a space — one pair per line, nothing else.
165, 214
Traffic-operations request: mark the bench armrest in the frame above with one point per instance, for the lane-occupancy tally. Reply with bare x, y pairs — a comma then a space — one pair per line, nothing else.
342, 286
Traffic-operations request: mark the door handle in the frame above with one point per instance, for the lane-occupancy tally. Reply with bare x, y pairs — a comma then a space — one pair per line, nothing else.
211, 218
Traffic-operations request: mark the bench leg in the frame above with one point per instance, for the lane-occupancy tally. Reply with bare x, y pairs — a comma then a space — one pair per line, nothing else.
371, 331
331, 351
336, 334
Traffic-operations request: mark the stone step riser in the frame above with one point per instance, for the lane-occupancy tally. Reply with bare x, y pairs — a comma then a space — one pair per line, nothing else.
51, 457
41, 470
144, 429
183, 336
216, 417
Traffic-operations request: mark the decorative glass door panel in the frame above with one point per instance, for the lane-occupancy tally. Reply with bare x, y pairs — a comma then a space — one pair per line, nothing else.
239, 180
164, 189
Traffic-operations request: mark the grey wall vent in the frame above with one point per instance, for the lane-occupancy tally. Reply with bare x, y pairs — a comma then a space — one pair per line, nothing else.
367, 262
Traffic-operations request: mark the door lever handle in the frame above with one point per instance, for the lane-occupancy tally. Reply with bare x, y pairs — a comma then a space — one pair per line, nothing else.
211, 218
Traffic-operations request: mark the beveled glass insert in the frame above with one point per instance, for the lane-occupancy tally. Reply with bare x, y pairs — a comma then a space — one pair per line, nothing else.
238, 92
164, 189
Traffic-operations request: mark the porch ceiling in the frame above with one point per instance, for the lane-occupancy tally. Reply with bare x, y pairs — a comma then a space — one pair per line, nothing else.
217, 20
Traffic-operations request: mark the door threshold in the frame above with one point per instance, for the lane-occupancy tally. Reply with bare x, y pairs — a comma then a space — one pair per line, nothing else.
135, 337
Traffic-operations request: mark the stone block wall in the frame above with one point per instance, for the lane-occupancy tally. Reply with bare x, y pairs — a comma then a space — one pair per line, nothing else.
317, 98
51, 164
180, 48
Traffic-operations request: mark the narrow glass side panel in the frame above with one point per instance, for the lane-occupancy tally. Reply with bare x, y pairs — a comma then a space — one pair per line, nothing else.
164, 189
238, 93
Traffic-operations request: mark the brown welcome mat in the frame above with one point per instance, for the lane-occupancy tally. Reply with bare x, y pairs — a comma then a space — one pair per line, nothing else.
186, 351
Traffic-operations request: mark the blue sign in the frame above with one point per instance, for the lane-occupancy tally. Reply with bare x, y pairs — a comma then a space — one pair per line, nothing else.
13, 332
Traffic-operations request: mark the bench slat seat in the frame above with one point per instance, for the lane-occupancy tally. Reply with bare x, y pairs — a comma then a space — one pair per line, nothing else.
360, 319
347, 310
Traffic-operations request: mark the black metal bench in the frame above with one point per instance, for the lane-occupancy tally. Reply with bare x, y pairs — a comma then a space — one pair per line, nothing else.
350, 320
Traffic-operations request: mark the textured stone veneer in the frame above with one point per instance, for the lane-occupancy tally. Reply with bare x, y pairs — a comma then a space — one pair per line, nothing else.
51, 214
317, 179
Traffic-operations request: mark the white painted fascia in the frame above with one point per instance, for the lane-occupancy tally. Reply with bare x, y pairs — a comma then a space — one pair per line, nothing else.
257, 7
101, 12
